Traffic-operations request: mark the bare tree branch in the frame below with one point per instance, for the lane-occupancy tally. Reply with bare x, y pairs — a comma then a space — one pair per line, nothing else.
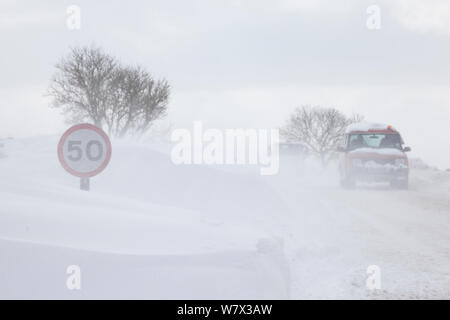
321, 129
90, 85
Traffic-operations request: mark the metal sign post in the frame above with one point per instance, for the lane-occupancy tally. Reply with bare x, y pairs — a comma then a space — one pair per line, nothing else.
84, 184
84, 151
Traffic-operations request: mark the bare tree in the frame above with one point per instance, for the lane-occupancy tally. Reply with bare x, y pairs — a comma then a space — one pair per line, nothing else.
81, 86
90, 85
321, 129
138, 100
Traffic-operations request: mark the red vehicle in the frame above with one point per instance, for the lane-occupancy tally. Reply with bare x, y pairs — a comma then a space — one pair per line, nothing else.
373, 152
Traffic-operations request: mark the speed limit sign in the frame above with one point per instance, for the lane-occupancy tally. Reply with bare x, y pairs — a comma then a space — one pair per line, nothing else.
84, 151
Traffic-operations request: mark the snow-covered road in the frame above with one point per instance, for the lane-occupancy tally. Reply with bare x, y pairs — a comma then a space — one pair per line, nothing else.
166, 231
336, 234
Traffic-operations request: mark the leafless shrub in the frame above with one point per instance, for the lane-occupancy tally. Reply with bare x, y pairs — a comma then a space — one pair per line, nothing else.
90, 85
321, 129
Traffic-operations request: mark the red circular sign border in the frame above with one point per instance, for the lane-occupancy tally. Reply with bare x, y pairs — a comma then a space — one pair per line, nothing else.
88, 127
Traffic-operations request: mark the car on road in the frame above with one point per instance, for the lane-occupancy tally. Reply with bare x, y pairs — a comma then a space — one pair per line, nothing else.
373, 153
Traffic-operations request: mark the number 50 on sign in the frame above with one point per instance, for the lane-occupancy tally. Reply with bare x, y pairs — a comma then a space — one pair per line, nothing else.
84, 151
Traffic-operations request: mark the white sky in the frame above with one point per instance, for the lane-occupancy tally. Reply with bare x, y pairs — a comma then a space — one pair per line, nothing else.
246, 63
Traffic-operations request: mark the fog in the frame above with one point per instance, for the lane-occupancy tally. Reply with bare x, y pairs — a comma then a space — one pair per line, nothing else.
228, 228
245, 63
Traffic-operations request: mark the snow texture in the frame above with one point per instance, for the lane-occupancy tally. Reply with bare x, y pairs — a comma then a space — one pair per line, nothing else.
379, 151
151, 229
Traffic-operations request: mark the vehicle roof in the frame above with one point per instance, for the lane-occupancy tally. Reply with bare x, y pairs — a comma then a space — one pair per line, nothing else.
367, 127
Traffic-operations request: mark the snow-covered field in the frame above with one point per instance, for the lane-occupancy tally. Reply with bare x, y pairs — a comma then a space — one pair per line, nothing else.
150, 229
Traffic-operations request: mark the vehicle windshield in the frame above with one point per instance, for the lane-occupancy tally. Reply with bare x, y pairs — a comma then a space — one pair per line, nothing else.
375, 140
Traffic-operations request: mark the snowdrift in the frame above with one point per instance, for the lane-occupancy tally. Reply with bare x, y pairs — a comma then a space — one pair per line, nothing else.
151, 229
148, 229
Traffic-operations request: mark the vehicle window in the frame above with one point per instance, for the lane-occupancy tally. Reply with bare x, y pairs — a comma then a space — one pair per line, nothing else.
377, 140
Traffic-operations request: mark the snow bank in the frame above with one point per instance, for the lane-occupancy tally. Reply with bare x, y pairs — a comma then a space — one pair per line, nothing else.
417, 163
431, 180
150, 229
147, 229
31, 270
